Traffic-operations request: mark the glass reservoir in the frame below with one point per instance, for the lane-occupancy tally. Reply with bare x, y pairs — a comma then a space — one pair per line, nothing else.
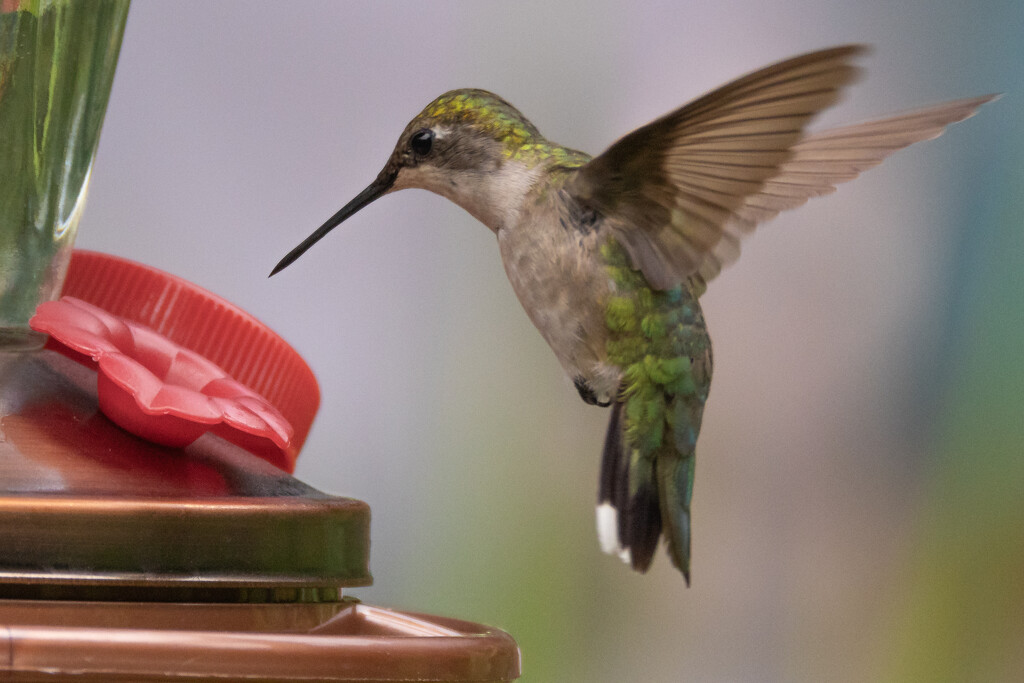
57, 61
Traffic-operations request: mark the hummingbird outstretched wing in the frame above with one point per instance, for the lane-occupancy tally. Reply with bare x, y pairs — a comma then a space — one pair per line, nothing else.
680, 192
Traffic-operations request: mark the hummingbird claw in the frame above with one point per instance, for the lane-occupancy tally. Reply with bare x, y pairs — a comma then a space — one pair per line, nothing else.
587, 394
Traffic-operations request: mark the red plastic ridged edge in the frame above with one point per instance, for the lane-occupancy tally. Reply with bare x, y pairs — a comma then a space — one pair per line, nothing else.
205, 323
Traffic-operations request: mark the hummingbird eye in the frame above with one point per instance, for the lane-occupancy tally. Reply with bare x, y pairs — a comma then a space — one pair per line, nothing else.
421, 142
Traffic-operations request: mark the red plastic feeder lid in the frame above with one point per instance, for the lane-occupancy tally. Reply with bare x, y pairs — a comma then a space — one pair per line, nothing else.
209, 365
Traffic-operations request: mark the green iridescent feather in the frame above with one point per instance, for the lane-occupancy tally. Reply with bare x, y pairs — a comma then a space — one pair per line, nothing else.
659, 340
521, 141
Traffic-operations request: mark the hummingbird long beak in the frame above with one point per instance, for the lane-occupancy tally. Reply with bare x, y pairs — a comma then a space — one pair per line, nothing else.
378, 187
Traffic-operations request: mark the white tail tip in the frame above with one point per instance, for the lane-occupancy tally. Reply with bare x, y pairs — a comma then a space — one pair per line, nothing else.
608, 532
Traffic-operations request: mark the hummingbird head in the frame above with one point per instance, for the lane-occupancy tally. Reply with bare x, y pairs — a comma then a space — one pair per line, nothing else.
469, 146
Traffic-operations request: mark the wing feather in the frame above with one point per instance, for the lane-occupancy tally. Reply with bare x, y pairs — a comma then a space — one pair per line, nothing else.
680, 192
822, 160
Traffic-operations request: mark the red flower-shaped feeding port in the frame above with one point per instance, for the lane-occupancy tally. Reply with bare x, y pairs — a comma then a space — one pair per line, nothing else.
155, 388
172, 393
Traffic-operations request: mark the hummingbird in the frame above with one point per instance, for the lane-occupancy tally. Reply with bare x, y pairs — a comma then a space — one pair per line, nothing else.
609, 255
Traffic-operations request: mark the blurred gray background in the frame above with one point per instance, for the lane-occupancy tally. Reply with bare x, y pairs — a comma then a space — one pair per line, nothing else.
858, 506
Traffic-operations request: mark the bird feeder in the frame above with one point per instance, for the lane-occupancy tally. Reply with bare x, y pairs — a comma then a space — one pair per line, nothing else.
149, 527
124, 559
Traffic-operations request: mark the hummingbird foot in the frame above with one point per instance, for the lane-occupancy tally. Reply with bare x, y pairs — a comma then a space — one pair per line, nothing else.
588, 395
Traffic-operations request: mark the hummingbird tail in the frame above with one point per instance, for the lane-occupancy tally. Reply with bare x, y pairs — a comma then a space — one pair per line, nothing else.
628, 514
675, 490
645, 494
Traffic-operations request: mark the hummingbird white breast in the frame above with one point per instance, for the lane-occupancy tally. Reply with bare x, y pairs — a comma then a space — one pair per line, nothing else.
553, 263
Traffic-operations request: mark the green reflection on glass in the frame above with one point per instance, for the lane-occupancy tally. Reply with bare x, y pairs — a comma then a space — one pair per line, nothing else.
57, 60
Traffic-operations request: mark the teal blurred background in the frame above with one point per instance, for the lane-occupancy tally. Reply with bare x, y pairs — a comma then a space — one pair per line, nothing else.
859, 505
